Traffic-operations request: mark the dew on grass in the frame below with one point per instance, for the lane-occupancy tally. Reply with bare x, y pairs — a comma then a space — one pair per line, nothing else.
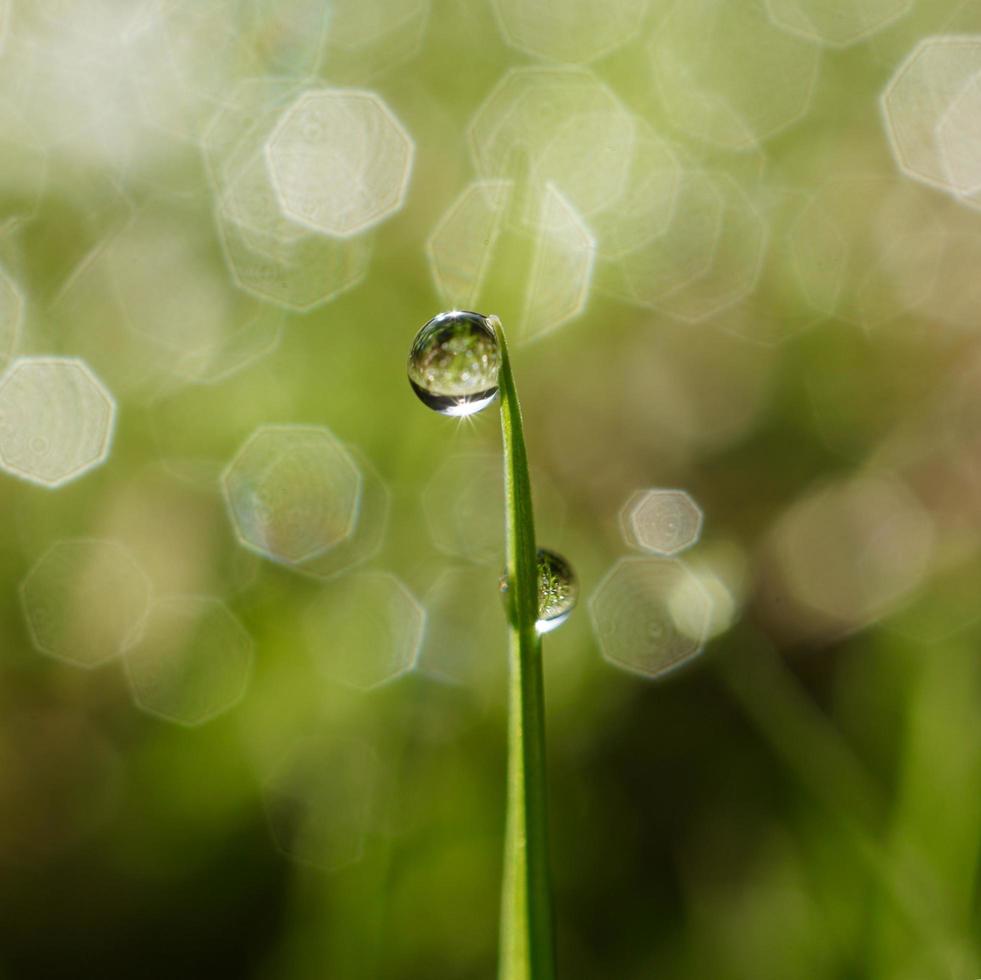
558, 590
454, 362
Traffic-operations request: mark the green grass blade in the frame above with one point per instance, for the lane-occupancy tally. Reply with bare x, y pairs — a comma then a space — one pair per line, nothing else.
527, 944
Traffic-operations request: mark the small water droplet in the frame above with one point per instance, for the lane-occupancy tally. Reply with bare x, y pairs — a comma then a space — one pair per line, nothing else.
558, 590
454, 362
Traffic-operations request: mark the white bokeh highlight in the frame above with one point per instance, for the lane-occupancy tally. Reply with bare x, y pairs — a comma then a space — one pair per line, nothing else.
848, 552
650, 615
917, 97
365, 630
292, 492
11, 315
661, 521
176, 299
958, 138
865, 249
837, 23
463, 616
460, 248
726, 74
56, 420
708, 258
368, 534
371, 38
192, 662
269, 255
564, 127
340, 161
574, 31
85, 601
561, 270
482, 223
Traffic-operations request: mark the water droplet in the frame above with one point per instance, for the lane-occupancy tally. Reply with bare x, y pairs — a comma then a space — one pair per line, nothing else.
454, 362
558, 590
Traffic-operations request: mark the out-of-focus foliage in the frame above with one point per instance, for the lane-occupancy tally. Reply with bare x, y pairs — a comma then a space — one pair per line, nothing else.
252, 655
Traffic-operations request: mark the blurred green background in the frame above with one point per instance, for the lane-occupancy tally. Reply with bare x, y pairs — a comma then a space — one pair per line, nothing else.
728, 267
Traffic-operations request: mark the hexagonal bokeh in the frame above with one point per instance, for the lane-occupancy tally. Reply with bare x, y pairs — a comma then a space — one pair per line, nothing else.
649, 201
866, 250
365, 541
192, 662
11, 315
837, 23
777, 309
270, 256
574, 31
292, 492
461, 246
365, 629
340, 161
919, 94
196, 555
561, 269
849, 551
463, 502
299, 275
290, 38
56, 420
462, 505
247, 200
958, 137
368, 38
683, 253
708, 259
241, 122
85, 601
949, 291
664, 522
650, 615
558, 126
463, 621
728, 75
321, 801
204, 46
203, 331
554, 258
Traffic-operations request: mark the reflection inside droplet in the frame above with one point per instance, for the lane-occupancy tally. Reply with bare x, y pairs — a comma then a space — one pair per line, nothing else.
454, 361
558, 591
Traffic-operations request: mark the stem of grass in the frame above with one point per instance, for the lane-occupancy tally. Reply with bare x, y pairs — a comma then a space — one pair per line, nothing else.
527, 943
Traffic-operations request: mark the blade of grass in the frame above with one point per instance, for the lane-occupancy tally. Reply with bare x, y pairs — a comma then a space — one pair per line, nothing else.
527, 944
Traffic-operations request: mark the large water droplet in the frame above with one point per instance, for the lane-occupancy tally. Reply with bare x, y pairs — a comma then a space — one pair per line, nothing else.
454, 361
558, 590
